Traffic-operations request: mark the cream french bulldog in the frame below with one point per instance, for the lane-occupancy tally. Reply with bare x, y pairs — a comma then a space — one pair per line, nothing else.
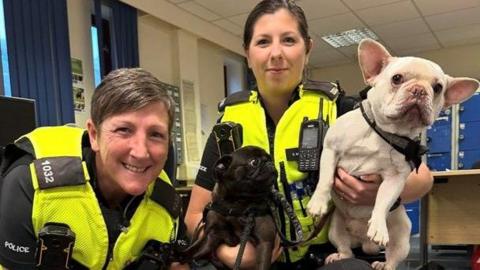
407, 95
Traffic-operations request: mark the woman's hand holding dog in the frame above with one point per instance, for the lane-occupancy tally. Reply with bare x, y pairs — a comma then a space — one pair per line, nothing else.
361, 191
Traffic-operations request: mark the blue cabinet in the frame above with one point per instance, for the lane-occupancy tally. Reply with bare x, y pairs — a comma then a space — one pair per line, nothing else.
469, 132
439, 161
467, 158
470, 110
469, 135
444, 119
439, 139
413, 212
465, 150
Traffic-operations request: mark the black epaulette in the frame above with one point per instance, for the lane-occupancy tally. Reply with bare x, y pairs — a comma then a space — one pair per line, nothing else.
238, 97
166, 196
329, 89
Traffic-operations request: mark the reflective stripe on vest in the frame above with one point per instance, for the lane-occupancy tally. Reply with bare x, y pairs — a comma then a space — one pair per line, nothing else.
76, 204
251, 116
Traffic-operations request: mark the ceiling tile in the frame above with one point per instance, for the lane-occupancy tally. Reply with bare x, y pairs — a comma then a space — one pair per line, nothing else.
327, 57
350, 51
361, 4
200, 11
239, 19
335, 24
401, 29
430, 7
229, 26
400, 11
333, 63
178, 1
317, 9
319, 44
412, 44
454, 19
228, 7
459, 36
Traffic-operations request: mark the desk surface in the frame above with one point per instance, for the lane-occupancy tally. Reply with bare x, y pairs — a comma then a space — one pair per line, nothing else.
455, 173
453, 211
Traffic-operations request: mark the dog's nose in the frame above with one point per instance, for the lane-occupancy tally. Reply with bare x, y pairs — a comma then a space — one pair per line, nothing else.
417, 91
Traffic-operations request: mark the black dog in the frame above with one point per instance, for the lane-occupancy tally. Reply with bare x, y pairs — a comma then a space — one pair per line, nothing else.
240, 199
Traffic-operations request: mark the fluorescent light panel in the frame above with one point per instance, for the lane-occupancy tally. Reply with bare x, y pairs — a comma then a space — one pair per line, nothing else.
349, 38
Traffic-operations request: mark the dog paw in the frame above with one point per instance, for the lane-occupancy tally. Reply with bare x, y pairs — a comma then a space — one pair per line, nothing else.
318, 204
336, 257
378, 232
381, 266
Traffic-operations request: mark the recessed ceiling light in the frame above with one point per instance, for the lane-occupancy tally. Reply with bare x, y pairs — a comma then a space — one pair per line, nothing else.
349, 38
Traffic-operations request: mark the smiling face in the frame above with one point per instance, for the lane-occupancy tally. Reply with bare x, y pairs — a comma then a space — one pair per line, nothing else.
131, 149
277, 53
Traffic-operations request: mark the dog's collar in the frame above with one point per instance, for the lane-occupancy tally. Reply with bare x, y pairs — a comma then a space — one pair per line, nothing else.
411, 149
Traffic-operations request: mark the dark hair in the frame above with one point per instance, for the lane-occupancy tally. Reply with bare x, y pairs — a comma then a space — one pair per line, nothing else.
128, 89
270, 7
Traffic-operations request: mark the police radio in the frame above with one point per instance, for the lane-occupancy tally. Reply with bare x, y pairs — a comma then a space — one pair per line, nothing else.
312, 133
54, 247
228, 136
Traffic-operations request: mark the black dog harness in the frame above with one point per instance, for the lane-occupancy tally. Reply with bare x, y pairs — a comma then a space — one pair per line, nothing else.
273, 200
411, 149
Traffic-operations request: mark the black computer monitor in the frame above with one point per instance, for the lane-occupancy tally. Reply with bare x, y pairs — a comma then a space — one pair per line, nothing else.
17, 117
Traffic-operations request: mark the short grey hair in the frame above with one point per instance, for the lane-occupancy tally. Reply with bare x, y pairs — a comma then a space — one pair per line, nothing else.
128, 89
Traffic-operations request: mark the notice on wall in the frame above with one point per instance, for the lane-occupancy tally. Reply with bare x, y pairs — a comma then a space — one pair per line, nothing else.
190, 124
78, 85
79, 99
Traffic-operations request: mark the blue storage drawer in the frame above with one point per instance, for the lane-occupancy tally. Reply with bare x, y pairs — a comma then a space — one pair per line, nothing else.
439, 161
413, 212
469, 110
444, 119
467, 158
469, 136
439, 139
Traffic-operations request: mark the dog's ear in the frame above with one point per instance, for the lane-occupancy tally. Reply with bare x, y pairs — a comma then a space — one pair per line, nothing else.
459, 90
221, 166
372, 57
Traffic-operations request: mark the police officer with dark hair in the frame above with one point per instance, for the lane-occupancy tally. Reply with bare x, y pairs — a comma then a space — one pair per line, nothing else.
277, 46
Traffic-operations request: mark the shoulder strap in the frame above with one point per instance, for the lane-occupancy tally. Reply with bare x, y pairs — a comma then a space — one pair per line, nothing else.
58, 156
235, 98
329, 89
166, 196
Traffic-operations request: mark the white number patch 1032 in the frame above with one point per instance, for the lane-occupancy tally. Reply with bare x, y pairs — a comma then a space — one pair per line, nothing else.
47, 171
59, 171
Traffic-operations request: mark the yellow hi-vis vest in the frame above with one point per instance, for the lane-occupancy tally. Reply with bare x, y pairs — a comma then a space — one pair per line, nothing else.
245, 109
63, 194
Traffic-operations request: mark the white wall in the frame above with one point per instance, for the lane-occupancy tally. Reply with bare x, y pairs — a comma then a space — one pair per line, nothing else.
174, 55
79, 23
456, 61
236, 77
158, 49
210, 66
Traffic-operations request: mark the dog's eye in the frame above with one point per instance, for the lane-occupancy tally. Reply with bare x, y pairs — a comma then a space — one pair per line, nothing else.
253, 162
437, 88
397, 79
